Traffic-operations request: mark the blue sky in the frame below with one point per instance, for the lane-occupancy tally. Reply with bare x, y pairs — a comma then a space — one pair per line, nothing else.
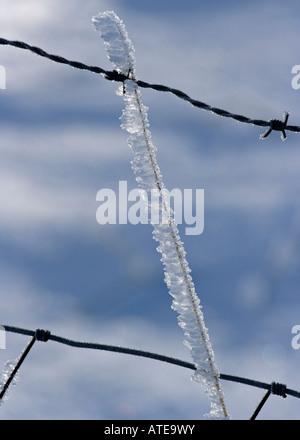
61, 142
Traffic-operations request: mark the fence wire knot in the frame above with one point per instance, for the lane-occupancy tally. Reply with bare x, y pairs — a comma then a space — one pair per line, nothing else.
278, 388
114, 75
42, 335
277, 125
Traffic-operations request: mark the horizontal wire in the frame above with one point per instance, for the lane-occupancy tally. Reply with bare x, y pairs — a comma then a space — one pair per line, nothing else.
56, 58
145, 354
117, 76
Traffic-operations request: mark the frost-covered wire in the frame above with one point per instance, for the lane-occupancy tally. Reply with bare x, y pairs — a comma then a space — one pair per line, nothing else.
177, 272
9, 376
272, 124
11, 369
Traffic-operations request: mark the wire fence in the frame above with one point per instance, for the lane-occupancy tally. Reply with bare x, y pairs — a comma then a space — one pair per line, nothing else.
45, 335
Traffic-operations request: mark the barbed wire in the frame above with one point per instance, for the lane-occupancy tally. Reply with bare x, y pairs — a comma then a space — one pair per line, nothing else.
45, 335
272, 124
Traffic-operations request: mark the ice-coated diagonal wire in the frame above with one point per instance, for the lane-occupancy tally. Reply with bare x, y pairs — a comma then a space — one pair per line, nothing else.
12, 368
115, 75
177, 272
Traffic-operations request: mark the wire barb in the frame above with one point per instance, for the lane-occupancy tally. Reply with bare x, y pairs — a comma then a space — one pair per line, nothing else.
277, 125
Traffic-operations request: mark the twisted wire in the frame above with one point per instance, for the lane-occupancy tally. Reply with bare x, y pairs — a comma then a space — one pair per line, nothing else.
273, 124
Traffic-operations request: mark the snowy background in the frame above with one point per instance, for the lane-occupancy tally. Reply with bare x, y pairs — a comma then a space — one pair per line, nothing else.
61, 142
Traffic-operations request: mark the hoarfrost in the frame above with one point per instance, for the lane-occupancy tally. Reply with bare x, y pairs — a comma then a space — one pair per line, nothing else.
177, 272
7, 371
119, 48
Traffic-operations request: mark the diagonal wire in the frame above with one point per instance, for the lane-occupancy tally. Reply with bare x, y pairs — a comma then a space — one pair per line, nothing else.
17, 367
274, 388
273, 124
261, 404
